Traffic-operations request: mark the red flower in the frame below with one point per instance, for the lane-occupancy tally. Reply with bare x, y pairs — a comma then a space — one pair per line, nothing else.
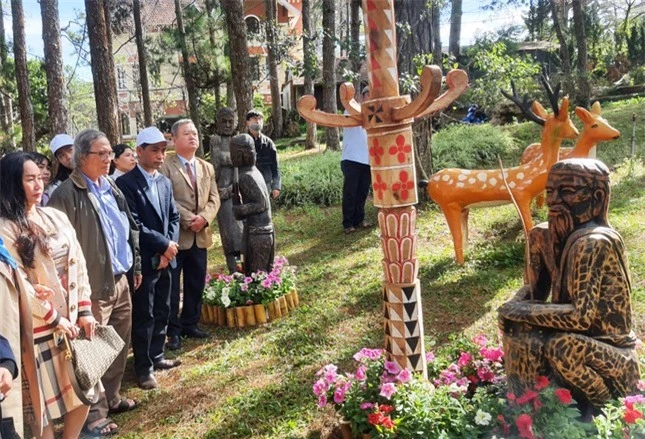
529, 396
375, 418
376, 151
541, 382
511, 396
379, 186
506, 429
400, 149
387, 422
564, 395
525, 426
385, 408
404, 186
631, 414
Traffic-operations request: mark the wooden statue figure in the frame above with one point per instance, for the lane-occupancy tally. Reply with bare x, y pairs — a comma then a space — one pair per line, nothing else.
583, 337
230, 229
251, 204
595, 128
456, 191
387, 117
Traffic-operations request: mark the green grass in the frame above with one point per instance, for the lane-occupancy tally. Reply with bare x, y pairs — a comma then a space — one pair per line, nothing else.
256, 383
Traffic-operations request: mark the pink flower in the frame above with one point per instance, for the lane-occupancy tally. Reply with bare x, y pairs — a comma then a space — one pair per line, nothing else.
387, 390
208, 278
525, 426
529, 396
635, 399
339, 395
564, 395
480, 340
404, 376
367, 406
392, 367
430, 356
541, 382
322, 400
361, 373
369, 354
320, 387
464, 359
641, 385
492, 354
485, 374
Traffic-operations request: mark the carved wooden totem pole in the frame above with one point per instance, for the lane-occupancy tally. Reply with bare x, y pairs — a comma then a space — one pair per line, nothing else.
387, 118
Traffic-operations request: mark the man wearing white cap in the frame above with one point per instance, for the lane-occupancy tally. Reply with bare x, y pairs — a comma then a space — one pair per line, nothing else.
62, 146
150, 198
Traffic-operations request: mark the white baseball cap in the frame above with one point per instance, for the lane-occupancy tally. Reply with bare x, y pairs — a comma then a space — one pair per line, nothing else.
149, 136
59, 141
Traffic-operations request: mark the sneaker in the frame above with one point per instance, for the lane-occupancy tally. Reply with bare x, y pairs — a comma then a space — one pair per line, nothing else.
349, 230
365, 225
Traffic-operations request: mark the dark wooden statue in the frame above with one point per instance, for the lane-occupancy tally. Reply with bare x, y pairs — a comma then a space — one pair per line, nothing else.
251, 203
583, 336
230, 229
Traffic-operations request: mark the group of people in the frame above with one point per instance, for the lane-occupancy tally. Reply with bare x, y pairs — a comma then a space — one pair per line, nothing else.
106, 241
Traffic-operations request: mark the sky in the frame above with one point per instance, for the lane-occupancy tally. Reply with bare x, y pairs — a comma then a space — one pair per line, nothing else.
474, 23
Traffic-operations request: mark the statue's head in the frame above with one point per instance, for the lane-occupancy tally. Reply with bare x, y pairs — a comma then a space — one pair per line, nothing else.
242, 151
577, 193
226, 121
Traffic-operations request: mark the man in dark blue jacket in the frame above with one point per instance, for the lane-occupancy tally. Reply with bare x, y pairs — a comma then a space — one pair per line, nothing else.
149, 196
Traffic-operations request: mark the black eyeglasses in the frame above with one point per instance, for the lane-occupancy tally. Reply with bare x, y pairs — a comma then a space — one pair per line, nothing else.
103, 154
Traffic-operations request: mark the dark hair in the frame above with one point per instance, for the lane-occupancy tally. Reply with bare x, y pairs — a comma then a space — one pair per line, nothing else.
62, 172
13, 203
118, 149
254, 113
40, 158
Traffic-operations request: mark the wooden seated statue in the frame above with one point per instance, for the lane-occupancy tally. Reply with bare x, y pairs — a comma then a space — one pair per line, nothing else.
582, 338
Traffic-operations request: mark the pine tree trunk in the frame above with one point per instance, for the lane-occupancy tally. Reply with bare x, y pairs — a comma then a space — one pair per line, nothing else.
105, 95
217, 77
188, 77
239, 56
437, 54
6, 112
565, 56
276, 104
355, 43
309, 54
584, 88
419, 40
22, 77
455, 28
57, 107
329, 75
143, 64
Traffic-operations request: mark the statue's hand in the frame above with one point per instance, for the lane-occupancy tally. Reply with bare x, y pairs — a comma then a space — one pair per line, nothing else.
237, 211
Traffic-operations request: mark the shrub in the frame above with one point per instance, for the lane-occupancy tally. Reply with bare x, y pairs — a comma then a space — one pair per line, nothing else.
470, 147
314, 180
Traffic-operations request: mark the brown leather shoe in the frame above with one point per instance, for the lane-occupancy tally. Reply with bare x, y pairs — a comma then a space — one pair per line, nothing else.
166, 364
147, 382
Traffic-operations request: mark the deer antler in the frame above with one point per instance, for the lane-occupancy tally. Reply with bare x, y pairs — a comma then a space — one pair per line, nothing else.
552, 95
525, 105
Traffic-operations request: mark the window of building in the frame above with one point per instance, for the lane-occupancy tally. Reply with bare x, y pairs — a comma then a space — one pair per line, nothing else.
252, 25
120, 73
125, 123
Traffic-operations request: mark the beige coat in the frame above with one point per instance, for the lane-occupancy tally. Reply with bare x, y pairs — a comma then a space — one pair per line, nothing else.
46, 315
16, 325
207, 197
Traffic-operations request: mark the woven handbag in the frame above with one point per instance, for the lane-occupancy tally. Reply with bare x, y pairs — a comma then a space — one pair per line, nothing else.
88, 360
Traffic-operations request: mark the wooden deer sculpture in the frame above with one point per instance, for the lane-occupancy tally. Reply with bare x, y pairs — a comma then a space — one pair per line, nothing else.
387, 118
595, 129
458, 190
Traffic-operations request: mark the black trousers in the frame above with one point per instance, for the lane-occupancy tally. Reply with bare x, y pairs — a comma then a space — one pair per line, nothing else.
192, 263
356, 187
150, 312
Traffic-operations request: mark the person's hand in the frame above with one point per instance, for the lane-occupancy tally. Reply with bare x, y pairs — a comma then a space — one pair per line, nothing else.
171, 251
275, 193
137, 281
67, 327
163, 262
43, 292
198, 223
88, 323
5, 382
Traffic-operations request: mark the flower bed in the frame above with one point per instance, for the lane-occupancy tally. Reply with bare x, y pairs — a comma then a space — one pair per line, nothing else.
465, 397
238, 301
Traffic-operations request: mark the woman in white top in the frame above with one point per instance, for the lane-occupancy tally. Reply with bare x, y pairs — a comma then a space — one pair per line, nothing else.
124, 160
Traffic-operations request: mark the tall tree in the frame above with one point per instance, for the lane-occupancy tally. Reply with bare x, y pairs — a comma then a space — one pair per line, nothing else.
565, 56
437, 55
354, 42
188, 75
6, 107
455, 28
143, 64
413, 34
309, 55
272, 58
22, 77
329, 71
584, 88
57, 108
105, 95
239, 55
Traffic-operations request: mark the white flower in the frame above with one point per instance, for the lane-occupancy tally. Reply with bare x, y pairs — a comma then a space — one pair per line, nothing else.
482, 418
226, 301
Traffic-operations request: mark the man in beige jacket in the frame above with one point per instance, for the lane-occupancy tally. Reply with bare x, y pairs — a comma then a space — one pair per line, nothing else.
195, 190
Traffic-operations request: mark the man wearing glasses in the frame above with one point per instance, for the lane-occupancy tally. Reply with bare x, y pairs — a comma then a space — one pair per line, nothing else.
109, 238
